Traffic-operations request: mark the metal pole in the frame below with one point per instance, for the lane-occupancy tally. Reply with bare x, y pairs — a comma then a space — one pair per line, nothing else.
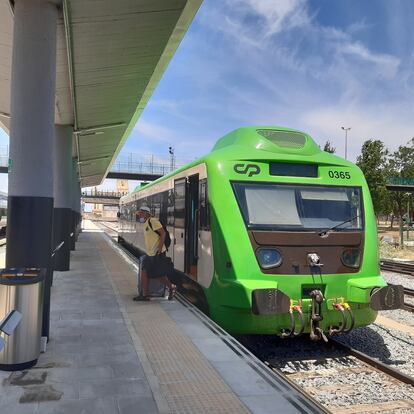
408, 218
346, 144
346, 141
172, 160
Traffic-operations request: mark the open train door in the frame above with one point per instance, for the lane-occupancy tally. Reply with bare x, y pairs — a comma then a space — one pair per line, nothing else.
192, 212
186, 224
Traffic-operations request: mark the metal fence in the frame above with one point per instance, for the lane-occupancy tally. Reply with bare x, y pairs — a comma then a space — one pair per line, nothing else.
129, 163
95, 193
147, 164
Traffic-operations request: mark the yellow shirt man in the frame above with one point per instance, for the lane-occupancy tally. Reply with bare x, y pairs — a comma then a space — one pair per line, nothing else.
151, 236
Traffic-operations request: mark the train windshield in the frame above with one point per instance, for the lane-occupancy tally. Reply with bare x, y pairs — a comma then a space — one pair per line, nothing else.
299, 207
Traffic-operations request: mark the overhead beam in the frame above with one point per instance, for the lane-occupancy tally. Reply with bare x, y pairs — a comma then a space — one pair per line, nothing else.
133, 176
119, 175
403, 188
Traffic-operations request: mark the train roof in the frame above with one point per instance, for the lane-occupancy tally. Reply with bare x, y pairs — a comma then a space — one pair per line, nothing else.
261, 143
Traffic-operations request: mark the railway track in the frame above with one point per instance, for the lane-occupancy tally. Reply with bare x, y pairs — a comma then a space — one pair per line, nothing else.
397, 267
342, 379
401, 268
106, 226
409, 306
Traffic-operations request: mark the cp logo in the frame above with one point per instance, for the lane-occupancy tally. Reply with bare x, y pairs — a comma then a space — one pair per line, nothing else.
250, 169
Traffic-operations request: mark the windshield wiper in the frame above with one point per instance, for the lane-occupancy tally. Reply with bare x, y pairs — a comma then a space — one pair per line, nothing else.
325, 232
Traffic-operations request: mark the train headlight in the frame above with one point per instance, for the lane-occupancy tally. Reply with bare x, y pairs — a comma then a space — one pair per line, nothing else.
269, 258
351, 258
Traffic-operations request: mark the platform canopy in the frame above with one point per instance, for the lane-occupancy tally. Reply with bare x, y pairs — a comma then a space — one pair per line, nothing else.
111, 55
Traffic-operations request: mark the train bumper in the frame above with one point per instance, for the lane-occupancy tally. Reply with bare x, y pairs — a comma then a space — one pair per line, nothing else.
269, 302
387, 298
375, 293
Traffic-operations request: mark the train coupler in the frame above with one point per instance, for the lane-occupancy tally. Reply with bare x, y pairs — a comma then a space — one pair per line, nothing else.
292, 331
316, 333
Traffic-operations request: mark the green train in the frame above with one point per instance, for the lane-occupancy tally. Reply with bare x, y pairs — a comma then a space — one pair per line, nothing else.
270, 235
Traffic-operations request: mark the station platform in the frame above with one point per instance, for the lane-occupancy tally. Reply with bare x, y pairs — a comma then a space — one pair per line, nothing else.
110, 355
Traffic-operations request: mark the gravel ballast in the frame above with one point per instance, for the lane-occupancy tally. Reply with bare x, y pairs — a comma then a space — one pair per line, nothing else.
398, 279
389, 346
336, 379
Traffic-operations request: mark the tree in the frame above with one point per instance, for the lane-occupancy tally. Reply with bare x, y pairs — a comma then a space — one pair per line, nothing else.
401, 164
403, 160
329, 148
373, 162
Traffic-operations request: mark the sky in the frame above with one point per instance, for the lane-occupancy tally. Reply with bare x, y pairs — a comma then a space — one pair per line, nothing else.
312, 65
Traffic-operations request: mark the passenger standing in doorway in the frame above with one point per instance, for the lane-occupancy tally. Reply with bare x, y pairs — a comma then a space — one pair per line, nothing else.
154, 234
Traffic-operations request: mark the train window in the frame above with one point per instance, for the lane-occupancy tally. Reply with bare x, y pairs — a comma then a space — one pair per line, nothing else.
163, 206
179, 205
307, 207
156, 205
204, 215
170, 208
275, 206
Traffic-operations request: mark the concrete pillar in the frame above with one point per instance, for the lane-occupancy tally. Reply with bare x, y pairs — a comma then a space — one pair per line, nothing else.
78, 211
62, 212
75, 186
30, 198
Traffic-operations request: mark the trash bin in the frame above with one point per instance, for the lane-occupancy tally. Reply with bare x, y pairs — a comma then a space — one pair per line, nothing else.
21, 289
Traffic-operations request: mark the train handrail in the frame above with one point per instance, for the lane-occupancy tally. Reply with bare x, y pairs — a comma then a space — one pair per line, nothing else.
59, 246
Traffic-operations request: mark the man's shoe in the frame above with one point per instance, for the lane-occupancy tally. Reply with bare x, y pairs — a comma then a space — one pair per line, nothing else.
171, 293
141, 298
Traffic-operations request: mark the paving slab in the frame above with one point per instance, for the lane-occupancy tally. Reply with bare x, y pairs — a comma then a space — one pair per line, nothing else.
91, 365
108, 354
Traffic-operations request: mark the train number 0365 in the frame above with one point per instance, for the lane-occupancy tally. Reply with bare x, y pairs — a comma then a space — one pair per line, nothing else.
339, 174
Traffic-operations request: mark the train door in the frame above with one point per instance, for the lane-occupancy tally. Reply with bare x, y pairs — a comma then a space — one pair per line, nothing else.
205, 265
179, 223
191, 239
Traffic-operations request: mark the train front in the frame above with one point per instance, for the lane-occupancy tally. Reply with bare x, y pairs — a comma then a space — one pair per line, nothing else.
296, 244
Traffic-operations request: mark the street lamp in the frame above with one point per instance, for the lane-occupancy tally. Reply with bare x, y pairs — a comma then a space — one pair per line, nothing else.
346, 140
172, 159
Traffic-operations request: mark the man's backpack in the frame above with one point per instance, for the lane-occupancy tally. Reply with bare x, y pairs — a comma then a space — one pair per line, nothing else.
167, 240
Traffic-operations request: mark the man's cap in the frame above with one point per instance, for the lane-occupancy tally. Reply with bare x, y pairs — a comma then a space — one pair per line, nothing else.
145, 208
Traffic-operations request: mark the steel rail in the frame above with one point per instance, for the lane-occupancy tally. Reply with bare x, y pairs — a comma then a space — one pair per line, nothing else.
374, 362
409, 292
398, 267
407, 305
103, 223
